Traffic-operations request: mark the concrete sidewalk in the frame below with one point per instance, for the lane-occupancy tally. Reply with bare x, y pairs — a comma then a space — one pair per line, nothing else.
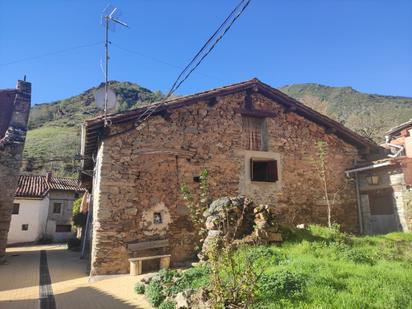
19, 282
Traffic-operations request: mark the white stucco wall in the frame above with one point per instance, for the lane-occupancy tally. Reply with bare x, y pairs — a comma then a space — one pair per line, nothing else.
32, 212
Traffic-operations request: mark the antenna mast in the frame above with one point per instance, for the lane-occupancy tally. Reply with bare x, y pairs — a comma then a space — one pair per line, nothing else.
109, 15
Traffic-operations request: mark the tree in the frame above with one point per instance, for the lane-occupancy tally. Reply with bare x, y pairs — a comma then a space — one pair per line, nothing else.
327, 179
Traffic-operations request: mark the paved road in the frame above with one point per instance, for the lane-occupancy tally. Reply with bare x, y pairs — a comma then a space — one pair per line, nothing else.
49, 277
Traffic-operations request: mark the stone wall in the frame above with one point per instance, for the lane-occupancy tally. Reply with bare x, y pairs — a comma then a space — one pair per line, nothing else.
139, 173
11, 150
390, 177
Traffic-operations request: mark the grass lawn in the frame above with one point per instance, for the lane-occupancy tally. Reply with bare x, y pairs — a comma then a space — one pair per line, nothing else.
343, 272
323, 268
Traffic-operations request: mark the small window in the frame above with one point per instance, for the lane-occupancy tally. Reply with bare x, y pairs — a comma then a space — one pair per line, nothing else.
157, 218
76, 195
24, 227
264, 170
57, 208
16, 208
63, 228
196, 178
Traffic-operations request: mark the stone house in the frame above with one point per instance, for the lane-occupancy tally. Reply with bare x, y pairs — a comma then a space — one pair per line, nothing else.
253, 139
42, 209
14, 115
384, 185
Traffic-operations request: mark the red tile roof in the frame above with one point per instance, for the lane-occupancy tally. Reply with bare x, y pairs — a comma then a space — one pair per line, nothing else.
38, 186
31, 186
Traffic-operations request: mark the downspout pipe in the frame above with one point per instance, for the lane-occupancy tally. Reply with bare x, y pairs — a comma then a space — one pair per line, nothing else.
359, 203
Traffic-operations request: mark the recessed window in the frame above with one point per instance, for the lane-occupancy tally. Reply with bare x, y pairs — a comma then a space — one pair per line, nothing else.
196, 178
16, 209
157, 218
57, 208
63, 228
24, 227
263, 170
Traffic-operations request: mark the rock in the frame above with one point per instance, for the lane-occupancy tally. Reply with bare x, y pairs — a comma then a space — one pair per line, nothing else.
217, 206
182, 299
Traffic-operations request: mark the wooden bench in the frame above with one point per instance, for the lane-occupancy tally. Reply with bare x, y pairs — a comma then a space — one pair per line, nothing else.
136, 262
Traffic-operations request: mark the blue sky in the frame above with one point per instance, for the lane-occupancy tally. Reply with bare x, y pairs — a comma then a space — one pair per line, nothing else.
366, 44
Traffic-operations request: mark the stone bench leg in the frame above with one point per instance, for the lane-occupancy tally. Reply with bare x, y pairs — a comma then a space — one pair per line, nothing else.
135, 268
165, 262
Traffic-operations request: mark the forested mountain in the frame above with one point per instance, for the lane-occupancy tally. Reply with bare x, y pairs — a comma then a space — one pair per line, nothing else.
370, 115
54, 128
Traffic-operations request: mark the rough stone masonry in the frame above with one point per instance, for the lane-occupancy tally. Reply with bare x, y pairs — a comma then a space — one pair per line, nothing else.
15, 108
254, 141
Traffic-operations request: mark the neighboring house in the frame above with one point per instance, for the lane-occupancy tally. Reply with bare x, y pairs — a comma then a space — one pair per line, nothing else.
14, 115
385, 193
43, 209
253, 139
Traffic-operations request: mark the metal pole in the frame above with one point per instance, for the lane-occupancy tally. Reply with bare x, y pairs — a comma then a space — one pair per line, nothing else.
359, 204
107, 70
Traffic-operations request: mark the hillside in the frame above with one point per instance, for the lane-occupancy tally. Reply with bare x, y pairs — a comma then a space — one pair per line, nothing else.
370, 115
54, 128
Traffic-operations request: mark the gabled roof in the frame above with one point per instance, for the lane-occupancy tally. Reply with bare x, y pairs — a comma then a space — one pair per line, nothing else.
39, 186
93, 127
399, 128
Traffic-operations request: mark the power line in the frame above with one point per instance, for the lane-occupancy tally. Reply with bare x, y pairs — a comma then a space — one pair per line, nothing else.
154, 59
199, 57
61, 51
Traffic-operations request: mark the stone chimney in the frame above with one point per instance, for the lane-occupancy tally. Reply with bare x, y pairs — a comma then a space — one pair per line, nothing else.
49, 176
22, 105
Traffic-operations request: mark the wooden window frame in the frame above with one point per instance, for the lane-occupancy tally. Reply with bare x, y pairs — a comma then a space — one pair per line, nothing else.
59, 228
60, 205
269, 177
15, 206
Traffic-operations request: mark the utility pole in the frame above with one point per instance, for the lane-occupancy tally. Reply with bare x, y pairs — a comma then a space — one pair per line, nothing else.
108, 17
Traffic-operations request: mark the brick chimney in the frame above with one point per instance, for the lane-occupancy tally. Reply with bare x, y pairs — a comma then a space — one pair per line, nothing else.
49, 176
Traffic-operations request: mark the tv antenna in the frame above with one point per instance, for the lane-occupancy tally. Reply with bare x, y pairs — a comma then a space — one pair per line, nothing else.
110, 18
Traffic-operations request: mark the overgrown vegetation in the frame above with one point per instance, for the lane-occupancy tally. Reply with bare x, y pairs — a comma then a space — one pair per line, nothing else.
322, 267
198, 205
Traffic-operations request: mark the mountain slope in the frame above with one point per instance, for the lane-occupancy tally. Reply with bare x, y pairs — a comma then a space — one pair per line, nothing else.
54, 128
370, 115
54, 135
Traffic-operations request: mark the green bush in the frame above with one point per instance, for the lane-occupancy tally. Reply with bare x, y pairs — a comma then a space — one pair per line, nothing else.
329, 234
139, 288
154, 293
79, 219
166, 275
167, 305
73, 243
192, 278
282, 284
